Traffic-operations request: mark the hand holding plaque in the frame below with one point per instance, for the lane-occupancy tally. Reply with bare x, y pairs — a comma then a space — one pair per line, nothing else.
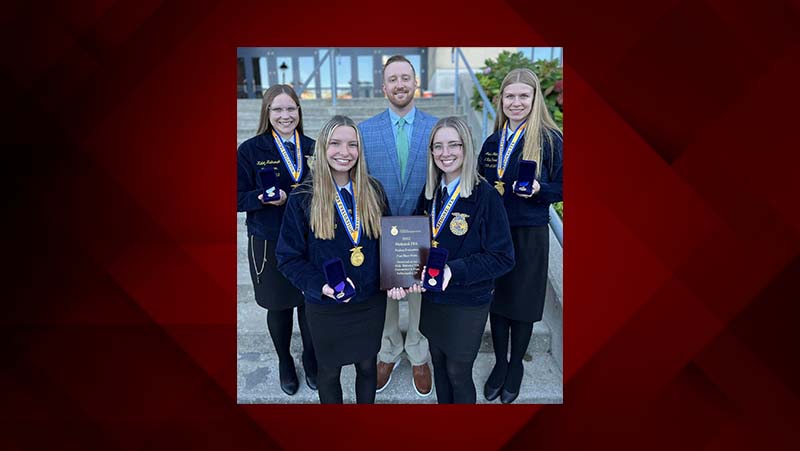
405, 241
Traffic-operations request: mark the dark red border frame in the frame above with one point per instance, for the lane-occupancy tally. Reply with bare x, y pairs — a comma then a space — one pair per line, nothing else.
681, 233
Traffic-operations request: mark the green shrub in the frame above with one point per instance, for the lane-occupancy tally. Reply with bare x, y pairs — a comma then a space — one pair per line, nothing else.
549, 73
550, 76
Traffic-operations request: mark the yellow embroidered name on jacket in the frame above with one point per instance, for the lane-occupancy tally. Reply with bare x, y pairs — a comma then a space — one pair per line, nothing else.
490, 159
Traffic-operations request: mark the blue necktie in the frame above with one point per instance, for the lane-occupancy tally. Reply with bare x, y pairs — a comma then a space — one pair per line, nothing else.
290, 149
348, 199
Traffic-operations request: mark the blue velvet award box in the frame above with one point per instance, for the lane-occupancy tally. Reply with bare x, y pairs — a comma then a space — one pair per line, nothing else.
270, 184
336, 278
527, 172
433, 279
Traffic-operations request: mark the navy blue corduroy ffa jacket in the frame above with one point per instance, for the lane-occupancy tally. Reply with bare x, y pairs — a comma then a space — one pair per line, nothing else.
264, 221
534, 211
301, 255
479, 256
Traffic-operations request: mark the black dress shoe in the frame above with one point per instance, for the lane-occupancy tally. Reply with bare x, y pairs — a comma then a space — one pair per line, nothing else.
491, 393
508, 397
311, 381
288, 377
310, 368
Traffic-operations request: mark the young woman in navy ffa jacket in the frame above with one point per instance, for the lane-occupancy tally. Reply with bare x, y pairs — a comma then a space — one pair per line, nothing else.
280, 145
469, 221
524, 130
337, 215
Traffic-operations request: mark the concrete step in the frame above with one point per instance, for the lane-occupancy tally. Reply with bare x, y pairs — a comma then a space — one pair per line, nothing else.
255, 104
257, 382
251, 327
356, 113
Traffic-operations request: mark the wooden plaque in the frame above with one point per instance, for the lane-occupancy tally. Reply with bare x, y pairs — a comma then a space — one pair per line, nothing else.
405, 242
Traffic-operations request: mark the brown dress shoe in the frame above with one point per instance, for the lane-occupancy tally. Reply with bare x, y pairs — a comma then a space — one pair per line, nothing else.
385, 374
422, 379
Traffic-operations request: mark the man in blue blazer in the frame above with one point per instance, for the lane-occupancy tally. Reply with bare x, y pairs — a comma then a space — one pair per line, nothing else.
395, 146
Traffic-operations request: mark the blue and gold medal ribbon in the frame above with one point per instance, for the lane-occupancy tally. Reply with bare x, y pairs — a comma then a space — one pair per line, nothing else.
438, 221
295, 167
503, 154
351, 223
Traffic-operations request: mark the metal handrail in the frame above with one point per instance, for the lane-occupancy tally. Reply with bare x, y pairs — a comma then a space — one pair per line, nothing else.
557, 225
488, 109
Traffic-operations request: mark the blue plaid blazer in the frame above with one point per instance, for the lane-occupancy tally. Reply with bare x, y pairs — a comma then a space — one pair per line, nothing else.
380, 150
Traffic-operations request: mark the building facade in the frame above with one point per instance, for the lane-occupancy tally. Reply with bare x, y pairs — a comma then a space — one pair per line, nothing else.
356, 72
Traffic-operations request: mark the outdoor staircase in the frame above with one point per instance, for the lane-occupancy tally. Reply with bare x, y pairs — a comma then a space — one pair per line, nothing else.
317, 112
257, 379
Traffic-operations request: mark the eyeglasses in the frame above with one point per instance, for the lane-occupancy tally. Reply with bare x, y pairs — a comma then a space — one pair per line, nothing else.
290, 110
451, 146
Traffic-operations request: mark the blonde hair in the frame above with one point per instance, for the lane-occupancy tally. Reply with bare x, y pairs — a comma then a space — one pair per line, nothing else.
540, 123
264, 125
469, 168
369, 201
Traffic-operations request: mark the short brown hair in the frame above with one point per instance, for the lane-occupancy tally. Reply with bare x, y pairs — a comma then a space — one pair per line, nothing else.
398, 59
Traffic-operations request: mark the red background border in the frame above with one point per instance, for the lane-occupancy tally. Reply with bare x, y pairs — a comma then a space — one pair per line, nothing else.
682, 231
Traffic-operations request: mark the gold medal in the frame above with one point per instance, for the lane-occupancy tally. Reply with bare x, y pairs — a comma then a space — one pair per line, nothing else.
458, 225
499, 186
357, 257
434, 243
353, 226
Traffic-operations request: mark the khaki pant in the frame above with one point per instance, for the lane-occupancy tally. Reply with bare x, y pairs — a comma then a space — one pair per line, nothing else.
415, 345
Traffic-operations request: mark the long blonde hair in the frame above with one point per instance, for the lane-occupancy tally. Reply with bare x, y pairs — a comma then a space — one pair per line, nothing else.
369, 202
264, 125
469, 168
540, 123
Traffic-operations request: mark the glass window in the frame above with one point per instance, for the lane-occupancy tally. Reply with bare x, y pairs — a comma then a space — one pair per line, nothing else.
344, 73
261, 76
284, 76
306, 64
365, 75
325, 75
